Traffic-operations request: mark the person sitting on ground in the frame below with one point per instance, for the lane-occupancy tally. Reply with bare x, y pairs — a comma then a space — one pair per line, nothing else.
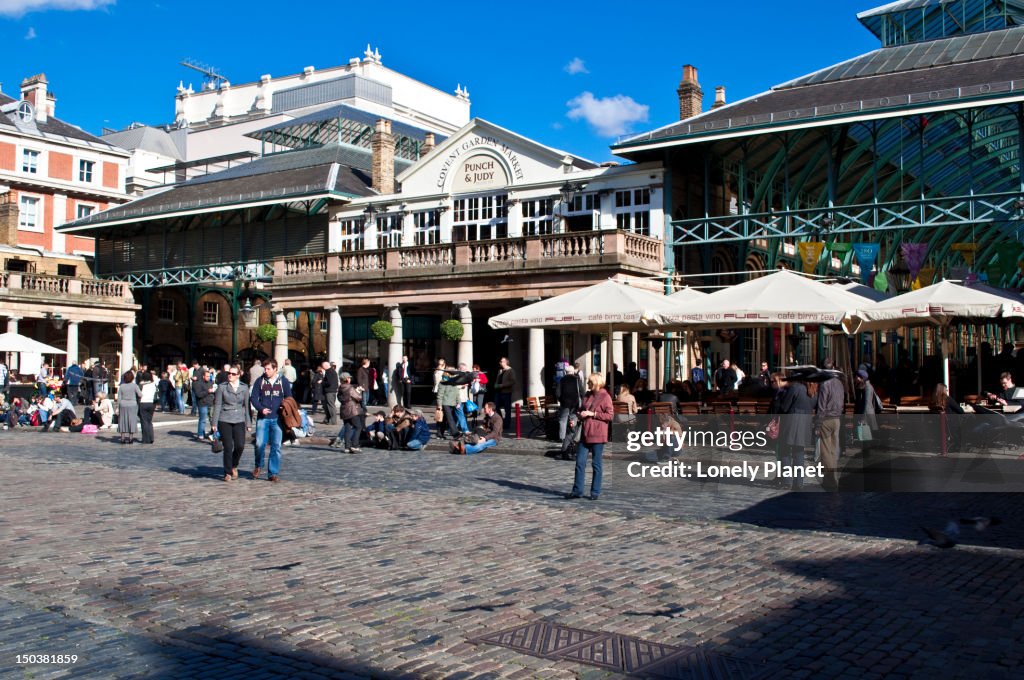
400, 427
377, 431
420, 434
105, 407
61, 416
490, 433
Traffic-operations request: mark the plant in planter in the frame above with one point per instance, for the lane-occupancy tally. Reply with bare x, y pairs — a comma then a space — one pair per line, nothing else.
452, 329
382, 330
266, 333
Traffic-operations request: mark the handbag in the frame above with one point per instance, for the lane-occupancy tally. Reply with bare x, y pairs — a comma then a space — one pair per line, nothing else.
217, 446
863, 432
471, 407
772, 430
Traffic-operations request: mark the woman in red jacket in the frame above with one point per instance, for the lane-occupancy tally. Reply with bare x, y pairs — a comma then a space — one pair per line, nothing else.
596, 412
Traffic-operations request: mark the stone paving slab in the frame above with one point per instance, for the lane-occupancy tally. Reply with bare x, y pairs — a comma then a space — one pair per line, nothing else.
387, 565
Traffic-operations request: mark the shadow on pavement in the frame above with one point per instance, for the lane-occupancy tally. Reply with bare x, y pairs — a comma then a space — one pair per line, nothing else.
912, 613
519, 486
892, 515
200, 472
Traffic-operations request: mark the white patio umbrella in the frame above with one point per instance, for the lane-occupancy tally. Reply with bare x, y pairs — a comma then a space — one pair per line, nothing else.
15, 342
600, 308
773, 300
936, 305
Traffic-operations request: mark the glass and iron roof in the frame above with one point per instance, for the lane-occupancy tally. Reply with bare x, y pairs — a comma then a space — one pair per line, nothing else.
910, 21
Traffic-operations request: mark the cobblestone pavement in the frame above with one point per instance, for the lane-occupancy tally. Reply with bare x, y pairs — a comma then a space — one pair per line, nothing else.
140, 561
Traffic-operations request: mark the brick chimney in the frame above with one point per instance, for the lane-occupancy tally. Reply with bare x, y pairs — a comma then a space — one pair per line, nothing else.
8, 219
428, 144
383, 161
691, 97
719, 97
34, 91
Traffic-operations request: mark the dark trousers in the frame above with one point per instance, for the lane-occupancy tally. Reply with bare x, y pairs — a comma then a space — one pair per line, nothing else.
330, 410
404, 394
62, 419
452, 420
232, 435
351, 431
73, 391
146, 418
314, 403
503, 400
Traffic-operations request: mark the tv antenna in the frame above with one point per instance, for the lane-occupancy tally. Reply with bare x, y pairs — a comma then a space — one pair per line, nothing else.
211, 76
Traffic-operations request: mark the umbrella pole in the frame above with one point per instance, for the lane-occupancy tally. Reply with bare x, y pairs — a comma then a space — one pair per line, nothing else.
943, 335
977, 356
611, 369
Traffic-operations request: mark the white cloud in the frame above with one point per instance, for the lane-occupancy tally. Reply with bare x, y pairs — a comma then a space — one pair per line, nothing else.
15, 8
557, 126
610, 116
31, 34
576, 66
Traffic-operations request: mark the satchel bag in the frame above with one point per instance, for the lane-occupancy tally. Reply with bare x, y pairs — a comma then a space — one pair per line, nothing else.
863, 432
217, 446
772, 430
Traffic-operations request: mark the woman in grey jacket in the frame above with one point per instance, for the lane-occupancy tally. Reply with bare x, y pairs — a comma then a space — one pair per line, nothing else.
128, 394
232, 419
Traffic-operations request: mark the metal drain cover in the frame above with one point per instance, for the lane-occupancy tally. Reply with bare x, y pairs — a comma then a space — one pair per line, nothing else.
622, 653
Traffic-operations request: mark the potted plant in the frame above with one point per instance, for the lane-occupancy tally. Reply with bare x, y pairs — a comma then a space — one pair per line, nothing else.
452, 329
382, 330
266, 333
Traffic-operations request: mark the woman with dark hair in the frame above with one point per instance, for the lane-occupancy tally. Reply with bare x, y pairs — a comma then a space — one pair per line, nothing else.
147, 404
128, 394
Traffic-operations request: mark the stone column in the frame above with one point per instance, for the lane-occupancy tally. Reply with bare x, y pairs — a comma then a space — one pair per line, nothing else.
12, 327
281, 341
535, 364
334, 335
617, 356
465, 349
72, 357
127, 351
395, 348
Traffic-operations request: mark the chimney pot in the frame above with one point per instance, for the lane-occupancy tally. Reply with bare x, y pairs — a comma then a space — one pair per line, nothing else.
383, 159
428, 144
691, 97
719, 96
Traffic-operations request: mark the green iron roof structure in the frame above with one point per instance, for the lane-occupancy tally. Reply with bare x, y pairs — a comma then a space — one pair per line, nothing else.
919, 141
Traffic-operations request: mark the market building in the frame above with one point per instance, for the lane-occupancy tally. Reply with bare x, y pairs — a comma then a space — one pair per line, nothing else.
896, 167
52, 173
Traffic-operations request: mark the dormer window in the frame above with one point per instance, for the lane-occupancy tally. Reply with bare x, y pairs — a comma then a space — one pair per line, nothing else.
26, 114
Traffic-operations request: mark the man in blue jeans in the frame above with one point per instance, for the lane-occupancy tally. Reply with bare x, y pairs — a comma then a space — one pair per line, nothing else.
490, 433
266, 396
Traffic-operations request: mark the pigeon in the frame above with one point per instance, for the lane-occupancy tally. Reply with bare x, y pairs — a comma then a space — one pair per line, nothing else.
283, 567
981, 523
941, 539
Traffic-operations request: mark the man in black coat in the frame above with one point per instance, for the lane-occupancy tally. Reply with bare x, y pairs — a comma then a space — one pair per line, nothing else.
330, 387
401, 382
316, 388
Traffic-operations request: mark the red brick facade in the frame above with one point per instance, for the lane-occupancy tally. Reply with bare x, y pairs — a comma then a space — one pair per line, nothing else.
7, 156
111, 179
60, 166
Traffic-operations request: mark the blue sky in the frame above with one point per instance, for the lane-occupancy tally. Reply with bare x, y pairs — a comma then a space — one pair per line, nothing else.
570, 75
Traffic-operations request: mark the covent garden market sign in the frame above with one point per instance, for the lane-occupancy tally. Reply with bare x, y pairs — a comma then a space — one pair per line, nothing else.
478, 171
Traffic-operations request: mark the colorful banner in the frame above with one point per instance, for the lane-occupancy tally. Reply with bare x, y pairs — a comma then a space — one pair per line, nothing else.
839, 247
866, 254
881, 283
967, 250
925, 278
810, 253
913, 255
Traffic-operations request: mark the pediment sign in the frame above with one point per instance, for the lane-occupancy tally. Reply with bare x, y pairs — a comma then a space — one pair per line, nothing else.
474, 164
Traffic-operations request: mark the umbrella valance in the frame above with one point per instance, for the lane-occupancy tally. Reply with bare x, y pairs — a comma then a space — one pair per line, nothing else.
779, 298
609, 303
935, 305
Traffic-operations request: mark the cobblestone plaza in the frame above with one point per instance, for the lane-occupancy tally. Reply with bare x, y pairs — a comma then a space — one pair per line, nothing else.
142, 563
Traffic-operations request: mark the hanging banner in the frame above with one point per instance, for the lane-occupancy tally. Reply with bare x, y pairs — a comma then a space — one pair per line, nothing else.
810, 253
994, 273
866, 254
913, 255
881, 283
839, 247
925, 278
967, 250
